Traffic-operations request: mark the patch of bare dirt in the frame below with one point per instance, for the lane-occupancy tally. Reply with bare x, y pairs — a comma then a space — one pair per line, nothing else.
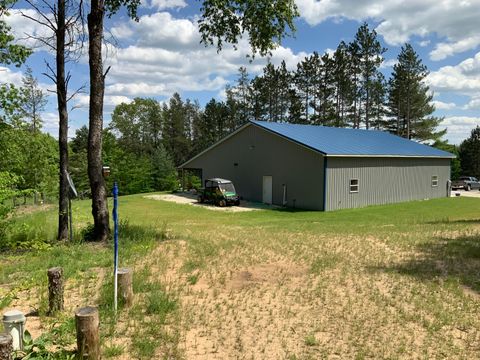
266, 273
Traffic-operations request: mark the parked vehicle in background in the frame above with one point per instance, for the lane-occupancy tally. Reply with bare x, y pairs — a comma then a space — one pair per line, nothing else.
466, 182
220, 192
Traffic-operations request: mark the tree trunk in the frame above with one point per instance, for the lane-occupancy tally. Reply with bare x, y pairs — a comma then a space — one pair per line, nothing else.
97, 87
6, 347
125, 289
367, 103
88, 337
55, 290
63, 126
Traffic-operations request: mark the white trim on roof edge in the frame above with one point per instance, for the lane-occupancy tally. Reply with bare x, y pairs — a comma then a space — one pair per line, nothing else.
395, 156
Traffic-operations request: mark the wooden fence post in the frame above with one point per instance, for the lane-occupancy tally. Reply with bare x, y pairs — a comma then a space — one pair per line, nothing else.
6, 346
125, 286
88, 338
55, 290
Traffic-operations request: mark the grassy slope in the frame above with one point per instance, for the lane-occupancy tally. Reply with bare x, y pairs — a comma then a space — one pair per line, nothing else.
387, 281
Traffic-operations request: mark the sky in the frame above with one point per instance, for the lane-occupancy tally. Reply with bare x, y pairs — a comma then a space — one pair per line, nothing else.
161, 53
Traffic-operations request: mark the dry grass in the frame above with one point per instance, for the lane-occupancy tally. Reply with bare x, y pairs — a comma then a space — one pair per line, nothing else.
396, 282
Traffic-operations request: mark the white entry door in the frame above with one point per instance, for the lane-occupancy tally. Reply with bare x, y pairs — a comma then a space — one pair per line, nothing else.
267, 190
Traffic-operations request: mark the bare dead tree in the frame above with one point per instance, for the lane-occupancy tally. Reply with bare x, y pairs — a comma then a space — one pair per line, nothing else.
97, 88
65, 37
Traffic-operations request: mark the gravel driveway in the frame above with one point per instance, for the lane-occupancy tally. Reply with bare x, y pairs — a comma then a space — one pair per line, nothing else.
191, 199
471, 193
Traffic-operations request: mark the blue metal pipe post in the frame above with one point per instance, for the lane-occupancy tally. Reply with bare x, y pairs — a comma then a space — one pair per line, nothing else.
115, 242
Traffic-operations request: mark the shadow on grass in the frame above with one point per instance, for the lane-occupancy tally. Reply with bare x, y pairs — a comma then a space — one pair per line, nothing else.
448, 221
444, 259
133, 233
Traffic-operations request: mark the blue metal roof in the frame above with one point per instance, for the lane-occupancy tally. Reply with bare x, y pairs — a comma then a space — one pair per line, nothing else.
351, 142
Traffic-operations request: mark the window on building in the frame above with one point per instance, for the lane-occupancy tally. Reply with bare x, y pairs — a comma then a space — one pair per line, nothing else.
434, 180
353, 185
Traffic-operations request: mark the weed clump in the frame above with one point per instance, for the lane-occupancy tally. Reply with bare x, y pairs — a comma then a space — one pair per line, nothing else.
161, 304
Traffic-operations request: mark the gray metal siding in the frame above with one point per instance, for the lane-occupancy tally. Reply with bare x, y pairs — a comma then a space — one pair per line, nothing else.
257, 153
384, 180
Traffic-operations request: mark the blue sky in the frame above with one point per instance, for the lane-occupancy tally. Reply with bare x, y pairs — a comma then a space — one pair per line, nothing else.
161, 53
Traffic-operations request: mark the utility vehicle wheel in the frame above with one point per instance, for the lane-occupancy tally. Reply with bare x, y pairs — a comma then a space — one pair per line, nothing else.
222, 203
468, 188
237, 203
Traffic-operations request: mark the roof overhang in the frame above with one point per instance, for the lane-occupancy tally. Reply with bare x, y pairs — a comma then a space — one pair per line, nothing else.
391, 156
312, 149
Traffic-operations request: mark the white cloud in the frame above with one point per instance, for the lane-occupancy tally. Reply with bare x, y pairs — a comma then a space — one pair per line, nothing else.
166, 4
164, 55
50, 125
7, 76
459, 127
455, 21
81, 101
444, 50
24, 29
423, 43
440, 105
463, 78
387, 63
473, 104
160, 30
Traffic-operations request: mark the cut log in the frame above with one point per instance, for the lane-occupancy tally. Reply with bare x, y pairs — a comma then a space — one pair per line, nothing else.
125, 290
6, 347
88, 338
55, 290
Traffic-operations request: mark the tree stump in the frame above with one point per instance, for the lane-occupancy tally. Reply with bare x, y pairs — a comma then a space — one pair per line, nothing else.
55, 290
125, 290
6, 346
88, 338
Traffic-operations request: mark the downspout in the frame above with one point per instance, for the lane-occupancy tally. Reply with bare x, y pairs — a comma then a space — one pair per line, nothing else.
325, 183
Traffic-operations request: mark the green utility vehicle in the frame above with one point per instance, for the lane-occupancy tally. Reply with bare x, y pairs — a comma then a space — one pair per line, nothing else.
220, 192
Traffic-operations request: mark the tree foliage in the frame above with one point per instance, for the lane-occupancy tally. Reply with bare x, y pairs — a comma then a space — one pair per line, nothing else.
264, 22
32, 158
11, 102
34, 100
410, 101
469, 153
10, 52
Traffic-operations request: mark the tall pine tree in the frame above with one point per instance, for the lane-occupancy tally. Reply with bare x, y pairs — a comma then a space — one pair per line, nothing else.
410, 101
369, 53
175, 138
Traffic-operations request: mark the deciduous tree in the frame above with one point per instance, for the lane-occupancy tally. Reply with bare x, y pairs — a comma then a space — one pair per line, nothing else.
264, 22
63, 20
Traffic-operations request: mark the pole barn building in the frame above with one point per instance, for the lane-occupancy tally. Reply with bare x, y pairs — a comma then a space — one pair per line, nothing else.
324, 168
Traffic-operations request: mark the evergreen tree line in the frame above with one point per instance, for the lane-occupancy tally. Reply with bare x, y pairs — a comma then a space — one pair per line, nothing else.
343, 89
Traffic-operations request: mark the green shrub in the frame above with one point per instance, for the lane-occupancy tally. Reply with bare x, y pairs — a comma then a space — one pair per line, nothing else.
88, 233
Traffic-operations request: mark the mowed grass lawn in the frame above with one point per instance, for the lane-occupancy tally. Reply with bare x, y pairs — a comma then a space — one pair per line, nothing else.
396, 281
